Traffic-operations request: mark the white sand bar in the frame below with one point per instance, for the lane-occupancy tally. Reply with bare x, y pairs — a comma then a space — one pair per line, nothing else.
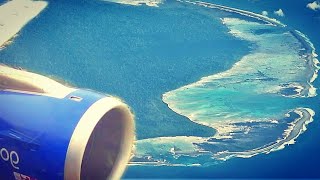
15, 14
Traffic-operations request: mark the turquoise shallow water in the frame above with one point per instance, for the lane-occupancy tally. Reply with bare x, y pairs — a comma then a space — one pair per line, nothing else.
257, 106
154, 57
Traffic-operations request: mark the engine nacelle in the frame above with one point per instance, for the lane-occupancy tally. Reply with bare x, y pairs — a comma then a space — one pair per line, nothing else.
49, 131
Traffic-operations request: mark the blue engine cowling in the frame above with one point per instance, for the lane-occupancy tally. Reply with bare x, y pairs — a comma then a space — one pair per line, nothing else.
50, 136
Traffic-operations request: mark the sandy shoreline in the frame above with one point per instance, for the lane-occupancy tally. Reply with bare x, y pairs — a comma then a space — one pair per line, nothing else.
14, 15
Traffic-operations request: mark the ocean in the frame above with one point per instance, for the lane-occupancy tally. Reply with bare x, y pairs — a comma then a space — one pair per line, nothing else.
154, 57
123, 51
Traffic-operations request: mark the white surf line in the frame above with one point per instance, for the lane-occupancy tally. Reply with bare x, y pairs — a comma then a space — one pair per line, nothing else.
299, 35
239, 11
297, 127
307, 42
312, 58
151, 3
14, 15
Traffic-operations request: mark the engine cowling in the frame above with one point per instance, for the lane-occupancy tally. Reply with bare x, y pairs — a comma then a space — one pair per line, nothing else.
49, 131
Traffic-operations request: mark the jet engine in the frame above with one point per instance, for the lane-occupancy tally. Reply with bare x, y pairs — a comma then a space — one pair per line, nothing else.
49, 131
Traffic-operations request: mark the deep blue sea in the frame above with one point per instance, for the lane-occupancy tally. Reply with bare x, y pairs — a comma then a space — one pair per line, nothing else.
221, 126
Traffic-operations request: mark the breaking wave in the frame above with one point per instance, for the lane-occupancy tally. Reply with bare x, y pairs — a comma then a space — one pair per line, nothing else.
152, 3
